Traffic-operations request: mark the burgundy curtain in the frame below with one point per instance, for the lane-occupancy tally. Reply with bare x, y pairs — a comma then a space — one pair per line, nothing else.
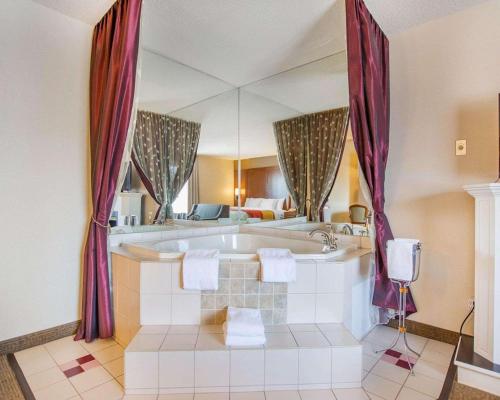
115, 46
368, 71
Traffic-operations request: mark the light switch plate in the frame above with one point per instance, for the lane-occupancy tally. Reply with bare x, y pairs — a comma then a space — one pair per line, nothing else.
461, 147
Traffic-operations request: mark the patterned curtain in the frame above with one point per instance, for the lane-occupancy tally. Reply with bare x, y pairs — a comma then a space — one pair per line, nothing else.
326, 141
164, 151
194, 187
291, 141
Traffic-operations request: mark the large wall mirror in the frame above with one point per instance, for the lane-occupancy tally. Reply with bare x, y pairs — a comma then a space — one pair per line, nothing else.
267, 148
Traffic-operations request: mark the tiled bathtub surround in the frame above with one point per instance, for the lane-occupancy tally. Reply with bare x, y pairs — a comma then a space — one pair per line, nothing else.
239, 286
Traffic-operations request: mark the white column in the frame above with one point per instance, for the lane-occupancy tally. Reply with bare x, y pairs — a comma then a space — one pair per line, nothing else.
487, 270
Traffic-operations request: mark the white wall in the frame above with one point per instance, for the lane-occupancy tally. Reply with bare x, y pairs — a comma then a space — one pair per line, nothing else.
44, 72
445, 80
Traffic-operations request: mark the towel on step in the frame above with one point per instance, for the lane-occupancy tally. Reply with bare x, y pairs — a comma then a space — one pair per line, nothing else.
244, 341
277, 265
400, 262
243, 322
200, 270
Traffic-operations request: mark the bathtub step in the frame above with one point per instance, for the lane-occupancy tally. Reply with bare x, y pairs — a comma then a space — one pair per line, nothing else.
194, 359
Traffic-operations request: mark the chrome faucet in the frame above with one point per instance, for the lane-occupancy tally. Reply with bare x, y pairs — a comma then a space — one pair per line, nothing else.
347, 230
329, 239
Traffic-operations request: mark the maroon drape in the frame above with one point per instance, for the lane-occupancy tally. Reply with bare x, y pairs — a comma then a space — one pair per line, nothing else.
368, 71
115, 46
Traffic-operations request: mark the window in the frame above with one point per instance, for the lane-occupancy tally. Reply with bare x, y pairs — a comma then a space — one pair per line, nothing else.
180, 204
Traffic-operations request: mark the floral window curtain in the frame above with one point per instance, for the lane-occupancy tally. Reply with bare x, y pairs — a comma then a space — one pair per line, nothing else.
326, 141
164, 152
291, 141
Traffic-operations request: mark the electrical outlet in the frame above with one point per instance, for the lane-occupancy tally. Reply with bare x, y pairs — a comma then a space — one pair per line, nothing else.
461, 147
470, 303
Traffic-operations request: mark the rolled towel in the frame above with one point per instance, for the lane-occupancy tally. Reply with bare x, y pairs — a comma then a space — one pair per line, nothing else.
400, 259
277, 265
200, 270
244, 341
243, 322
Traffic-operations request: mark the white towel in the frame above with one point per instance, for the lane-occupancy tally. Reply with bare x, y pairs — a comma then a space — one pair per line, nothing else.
244, 341
243, 322
200, 270
277, 265
400, 264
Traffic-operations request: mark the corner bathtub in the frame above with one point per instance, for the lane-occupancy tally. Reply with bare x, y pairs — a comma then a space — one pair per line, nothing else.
233, 246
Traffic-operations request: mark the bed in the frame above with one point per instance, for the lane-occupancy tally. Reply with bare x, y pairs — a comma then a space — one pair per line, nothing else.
264, 209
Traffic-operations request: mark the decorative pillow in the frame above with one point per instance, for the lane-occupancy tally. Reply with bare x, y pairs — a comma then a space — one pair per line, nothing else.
279, 204
268, 204
252, 202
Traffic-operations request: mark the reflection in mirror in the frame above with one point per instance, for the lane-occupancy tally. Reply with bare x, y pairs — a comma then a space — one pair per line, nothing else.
297, 155
184, 149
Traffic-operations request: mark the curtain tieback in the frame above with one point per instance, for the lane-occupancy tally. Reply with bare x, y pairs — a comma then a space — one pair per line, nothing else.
98, 223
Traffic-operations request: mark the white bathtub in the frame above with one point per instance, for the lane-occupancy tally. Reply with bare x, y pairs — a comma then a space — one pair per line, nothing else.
232, 246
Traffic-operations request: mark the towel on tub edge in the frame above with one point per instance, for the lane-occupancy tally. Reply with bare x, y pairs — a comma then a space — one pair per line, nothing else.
277, 265
200, 270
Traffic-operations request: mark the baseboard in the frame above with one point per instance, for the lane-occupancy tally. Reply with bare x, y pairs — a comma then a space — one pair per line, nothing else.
428, 331
37, 338
21, 379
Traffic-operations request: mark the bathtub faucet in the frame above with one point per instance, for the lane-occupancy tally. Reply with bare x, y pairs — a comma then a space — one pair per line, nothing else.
329, 239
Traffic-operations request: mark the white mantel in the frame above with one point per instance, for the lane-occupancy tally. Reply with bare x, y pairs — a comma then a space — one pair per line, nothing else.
487, 270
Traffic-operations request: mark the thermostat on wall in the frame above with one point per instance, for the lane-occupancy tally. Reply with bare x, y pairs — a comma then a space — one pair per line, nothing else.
461, 147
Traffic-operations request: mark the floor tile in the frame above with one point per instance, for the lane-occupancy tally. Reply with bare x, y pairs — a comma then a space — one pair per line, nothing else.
64, 350
316, 395
183, 396
369, 362
248, 396
184, 329
421, 383
211, 329
310, 339
340, 338
109, 354
179, 342
121, 380
372, 396
410, 394
211, 396
210, 341
90, 379
435, 357
276, 329
142, 343
303, 328
36, 359
146, 397
115, 367
371, 349
97, 344
282, 395
382, 335
45, 378
328, 327
390, 371
110, 391
154, 329
350, 394
59, 391
280, 340
440, 347
381, 387
430, 369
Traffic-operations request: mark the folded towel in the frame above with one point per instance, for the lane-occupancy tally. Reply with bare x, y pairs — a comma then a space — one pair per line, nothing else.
400, 260
200, 270
244, 341
243, 322
277, 265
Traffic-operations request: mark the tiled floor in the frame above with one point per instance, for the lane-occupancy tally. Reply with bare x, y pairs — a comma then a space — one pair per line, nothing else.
65, 369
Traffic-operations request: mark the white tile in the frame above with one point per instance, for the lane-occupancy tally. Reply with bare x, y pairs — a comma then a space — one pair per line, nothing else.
280, 340
110, 391
59, 391
65, 349
121, 379
330, 278
341, 338
368, 362
210, 341
183, 396
282, 367
184, 329
211, 396
303, 328
310, 339
381, 387
179, 342
153, 329
350, 394
346, 364
316, 395
430, 369
177, 369
97, 344
306, 279
329, 307
143, 343
212, 369
143, 397
374, 396
390, 371
435, 357
410, 394
211, 329
424, 384
370, 349
156, 278
417, 343
315, 366
440, 347
248, 396
90, 379
156, 309
332, 326
45, 378
301, 308
382, 336
115, 367
282, 395
141, 370
277, 329
186, 309
108, 354
247, 368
